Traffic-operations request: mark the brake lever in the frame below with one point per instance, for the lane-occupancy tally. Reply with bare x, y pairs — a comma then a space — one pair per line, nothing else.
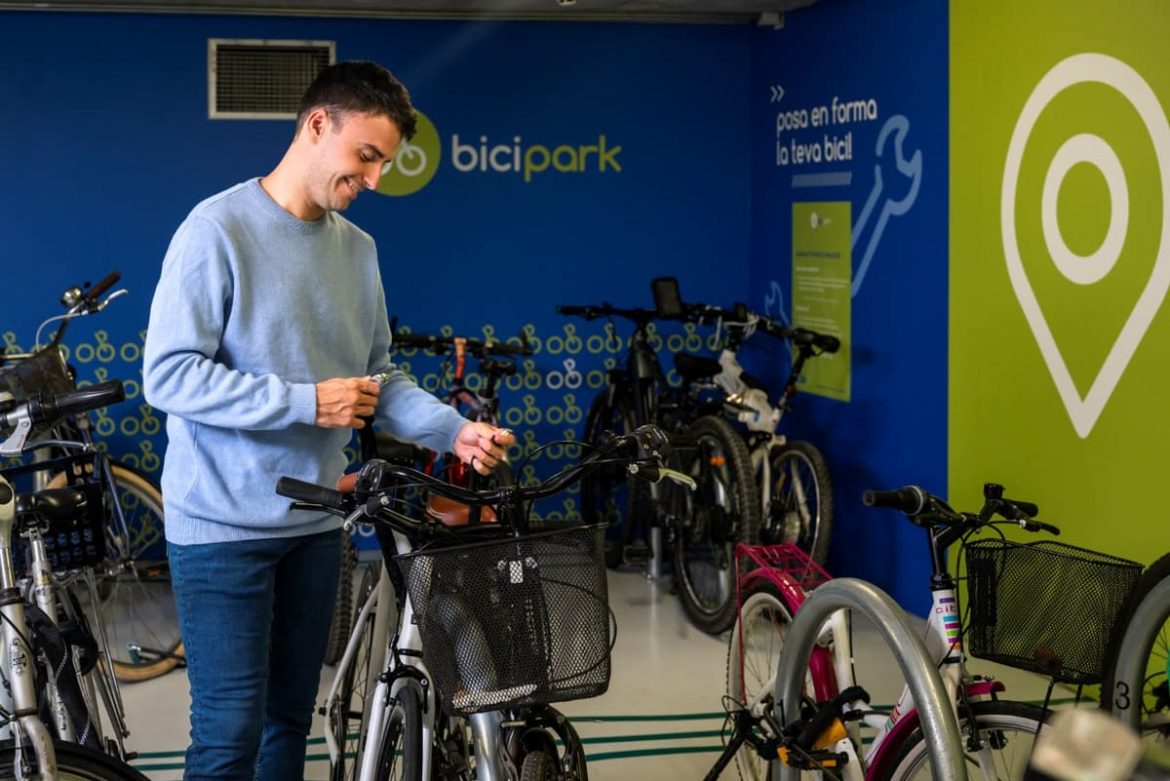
655, 473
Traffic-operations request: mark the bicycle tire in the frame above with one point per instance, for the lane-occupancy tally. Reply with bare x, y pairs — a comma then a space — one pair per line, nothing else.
342, 621
753, 655
136, 600
607, 495
400, 752
1135, 688
353, 684
801, 510
993, 719
74, 763
723, 510
539, 766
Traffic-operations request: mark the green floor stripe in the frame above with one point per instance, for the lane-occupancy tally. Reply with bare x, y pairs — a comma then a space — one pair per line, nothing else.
146, 768
660, 752
669, 717
159, 754
652, 737
599, 740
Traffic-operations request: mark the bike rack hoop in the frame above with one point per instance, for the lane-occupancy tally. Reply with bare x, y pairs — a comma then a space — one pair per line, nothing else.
936, 714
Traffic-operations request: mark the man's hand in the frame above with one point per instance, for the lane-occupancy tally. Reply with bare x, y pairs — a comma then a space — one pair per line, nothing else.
482, 446
344, 401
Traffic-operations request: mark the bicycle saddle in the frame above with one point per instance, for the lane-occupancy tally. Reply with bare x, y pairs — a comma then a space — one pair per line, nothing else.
53, 504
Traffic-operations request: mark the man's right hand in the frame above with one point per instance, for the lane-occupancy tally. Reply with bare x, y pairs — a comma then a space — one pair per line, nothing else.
344, 401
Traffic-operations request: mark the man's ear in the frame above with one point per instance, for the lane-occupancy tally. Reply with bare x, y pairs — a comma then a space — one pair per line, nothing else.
316, 123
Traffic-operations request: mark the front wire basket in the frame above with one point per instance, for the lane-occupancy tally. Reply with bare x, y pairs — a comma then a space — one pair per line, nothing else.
1045, 607
513, 621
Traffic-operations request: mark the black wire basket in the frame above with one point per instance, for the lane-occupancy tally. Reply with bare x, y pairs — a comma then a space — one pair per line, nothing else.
515, 621
1045, 607
44, 371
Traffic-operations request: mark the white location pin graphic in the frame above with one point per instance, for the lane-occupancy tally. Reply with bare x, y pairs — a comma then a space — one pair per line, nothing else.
1086, 270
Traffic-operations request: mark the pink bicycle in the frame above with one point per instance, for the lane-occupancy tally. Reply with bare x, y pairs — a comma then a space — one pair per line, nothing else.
773, 582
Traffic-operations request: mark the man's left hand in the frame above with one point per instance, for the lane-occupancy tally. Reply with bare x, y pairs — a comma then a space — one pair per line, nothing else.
482, 446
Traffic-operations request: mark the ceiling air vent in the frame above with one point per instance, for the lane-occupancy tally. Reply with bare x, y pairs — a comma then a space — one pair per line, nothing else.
262, 79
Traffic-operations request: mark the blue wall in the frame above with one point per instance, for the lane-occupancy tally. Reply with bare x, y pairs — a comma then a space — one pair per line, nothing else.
110, 146
893, 431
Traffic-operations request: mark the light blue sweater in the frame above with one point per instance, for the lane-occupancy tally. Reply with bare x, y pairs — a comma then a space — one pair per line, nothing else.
253, 308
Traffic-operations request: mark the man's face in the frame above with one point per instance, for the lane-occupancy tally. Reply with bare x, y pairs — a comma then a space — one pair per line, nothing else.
350, 154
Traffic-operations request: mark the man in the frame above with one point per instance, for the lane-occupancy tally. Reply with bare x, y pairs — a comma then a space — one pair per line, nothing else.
266, 331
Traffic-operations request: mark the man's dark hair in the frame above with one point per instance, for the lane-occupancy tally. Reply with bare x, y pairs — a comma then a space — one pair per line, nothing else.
358, 87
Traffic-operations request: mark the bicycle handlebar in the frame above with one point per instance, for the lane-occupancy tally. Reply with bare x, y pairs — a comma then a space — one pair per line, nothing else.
476, 347
380, 479
923, 509
594, 311
95, 292
46, 409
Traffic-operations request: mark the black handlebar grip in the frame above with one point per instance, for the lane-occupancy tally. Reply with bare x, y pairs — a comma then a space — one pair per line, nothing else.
573, 309
910, 500
1030, 509
413, 340
1034, 525
83, 399
95, 292
828, 343
300, 491
503, 348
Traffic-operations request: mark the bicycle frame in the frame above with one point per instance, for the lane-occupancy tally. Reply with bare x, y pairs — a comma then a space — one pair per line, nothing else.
388, 673
832, 671
19, 697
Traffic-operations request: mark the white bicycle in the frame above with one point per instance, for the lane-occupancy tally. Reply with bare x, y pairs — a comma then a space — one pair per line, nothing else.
474, 624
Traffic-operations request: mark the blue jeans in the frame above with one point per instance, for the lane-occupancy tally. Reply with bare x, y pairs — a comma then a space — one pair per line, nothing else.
255, 620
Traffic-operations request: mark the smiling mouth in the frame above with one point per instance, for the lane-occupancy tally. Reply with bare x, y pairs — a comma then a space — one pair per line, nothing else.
353, 186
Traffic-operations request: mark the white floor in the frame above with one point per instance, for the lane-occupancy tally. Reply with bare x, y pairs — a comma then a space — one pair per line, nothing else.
660, 719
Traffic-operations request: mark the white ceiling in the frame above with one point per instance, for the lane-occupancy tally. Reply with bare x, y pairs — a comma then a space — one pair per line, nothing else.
768, 12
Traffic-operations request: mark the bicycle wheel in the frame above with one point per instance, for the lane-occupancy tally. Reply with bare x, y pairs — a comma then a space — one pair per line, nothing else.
724, 509
753, 655
346, 713
539, 766
74, 763
1006, 732
342, 622
136, 603
606, 494
400, 755
801, 510
1135, 688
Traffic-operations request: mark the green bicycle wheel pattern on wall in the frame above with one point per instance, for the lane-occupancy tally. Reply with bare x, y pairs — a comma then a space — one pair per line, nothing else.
544, 402
1060, 264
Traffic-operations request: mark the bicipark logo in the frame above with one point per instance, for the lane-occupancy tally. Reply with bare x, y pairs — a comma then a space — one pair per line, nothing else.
417, 160
533, 159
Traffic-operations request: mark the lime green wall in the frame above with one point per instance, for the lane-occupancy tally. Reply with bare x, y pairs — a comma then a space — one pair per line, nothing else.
1060, 264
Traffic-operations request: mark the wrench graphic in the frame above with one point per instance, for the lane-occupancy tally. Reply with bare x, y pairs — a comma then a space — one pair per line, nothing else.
774, 299
898, 126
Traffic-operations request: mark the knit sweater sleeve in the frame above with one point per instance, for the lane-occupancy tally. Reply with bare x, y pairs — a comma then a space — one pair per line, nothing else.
181, 373
405, 410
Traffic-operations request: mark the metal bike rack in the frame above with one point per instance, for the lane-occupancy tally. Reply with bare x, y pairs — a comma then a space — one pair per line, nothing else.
934, 711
